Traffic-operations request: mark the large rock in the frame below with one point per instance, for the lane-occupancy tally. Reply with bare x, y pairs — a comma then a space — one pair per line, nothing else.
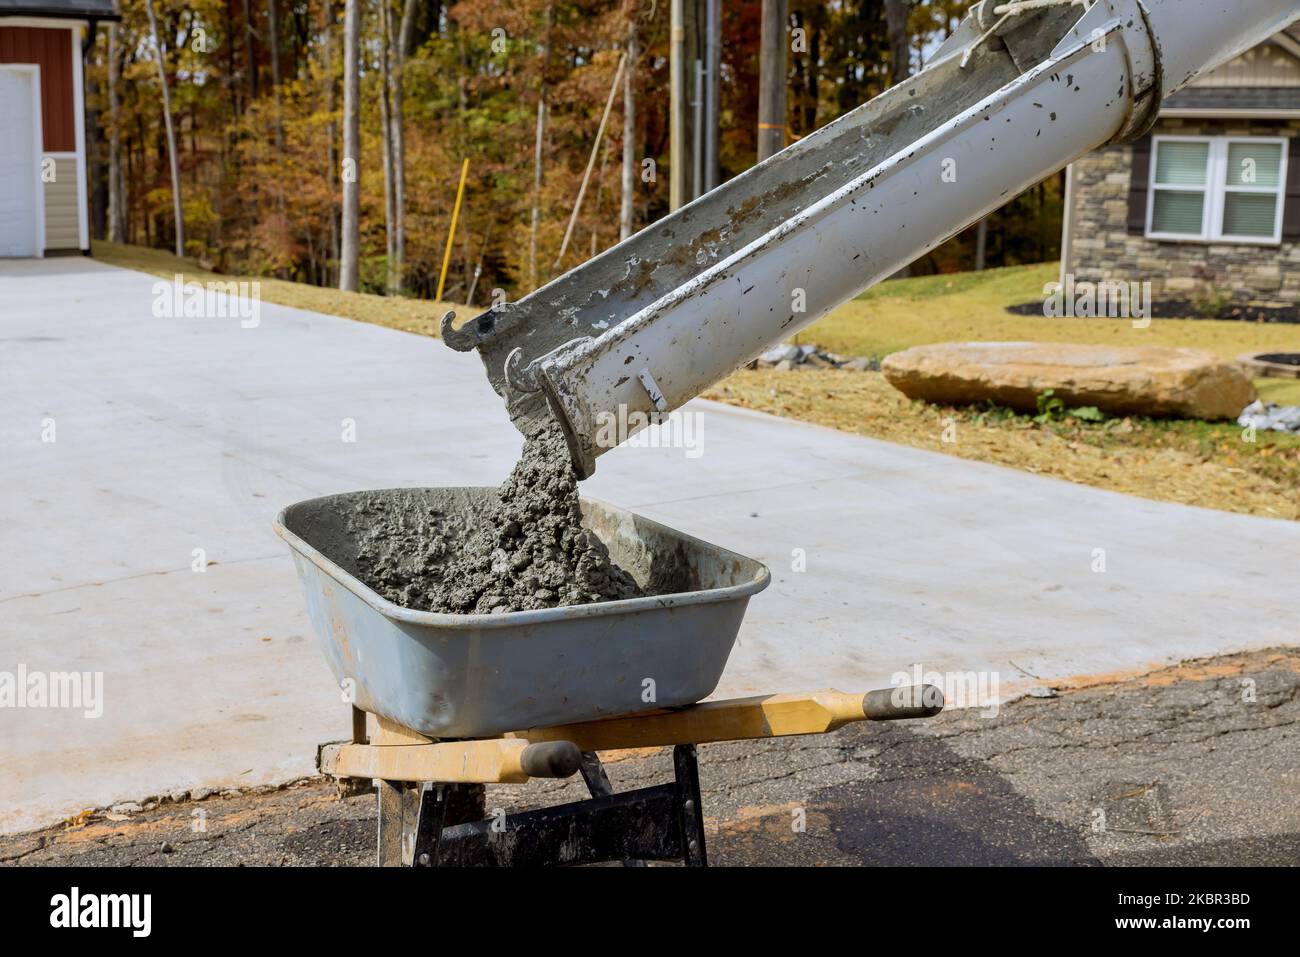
1133, 380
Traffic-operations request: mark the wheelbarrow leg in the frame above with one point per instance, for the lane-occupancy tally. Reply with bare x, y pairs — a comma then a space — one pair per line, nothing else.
689, 806
429, 822
593, 772
399, 804
413, 816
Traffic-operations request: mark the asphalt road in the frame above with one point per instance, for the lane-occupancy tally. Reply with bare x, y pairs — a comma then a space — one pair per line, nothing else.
1197, 764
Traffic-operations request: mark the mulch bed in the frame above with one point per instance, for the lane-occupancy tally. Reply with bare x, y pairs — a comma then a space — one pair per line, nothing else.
1186, 309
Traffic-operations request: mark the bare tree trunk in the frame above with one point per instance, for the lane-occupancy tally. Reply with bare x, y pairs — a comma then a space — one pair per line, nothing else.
94, 142
386, 135
478, 269
537, 193
537, 157
981, 244
900, 55
250, 50
116, 219
596, 200
351, 147
171, 131
591, 160
402, 49
900, 40
331, 131
811, 80
273, 27
627, 211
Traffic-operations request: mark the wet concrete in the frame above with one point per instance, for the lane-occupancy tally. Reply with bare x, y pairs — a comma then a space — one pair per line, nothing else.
524, 549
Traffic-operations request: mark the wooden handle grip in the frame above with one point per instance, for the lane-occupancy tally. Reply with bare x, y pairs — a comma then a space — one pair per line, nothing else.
908, 701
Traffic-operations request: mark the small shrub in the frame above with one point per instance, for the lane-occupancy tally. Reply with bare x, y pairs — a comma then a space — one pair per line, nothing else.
1051, 408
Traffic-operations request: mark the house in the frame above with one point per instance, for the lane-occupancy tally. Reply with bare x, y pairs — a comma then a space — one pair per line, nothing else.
1207, 207
43, 205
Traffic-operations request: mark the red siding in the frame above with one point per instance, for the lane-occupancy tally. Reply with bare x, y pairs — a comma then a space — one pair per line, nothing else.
51, 48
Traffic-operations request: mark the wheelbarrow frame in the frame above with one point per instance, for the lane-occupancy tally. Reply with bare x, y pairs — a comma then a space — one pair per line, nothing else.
430, 793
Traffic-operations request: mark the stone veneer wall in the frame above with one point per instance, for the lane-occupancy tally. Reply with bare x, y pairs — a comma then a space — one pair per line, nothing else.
1103, 249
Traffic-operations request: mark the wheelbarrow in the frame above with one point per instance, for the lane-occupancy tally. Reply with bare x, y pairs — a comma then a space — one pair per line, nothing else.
472, 676
446, 704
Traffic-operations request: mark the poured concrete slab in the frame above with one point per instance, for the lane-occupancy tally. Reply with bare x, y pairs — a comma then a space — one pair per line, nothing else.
179, 434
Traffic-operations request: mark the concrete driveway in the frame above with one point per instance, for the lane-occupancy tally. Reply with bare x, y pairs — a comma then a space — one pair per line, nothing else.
175, 434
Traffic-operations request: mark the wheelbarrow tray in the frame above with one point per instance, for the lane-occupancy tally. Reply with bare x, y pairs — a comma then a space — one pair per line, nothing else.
472, 676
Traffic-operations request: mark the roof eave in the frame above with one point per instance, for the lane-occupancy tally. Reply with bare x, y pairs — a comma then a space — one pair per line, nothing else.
7, 13
1228, 113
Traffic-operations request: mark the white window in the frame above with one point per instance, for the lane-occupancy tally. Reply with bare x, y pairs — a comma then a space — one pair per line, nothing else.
1217, 188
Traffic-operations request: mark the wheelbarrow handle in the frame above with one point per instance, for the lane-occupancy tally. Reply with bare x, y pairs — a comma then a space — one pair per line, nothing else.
742, 719
488, 761
908, 701
551, 759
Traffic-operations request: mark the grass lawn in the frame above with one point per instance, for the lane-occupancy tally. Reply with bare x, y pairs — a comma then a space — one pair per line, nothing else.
972, 307
1196, 463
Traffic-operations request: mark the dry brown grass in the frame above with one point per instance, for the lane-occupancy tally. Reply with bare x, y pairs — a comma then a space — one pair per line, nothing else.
1193, 463
396, 312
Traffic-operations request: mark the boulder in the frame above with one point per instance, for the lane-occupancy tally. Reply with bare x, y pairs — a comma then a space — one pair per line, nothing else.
1122, 380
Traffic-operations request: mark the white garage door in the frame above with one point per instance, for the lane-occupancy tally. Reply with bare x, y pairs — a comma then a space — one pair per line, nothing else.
19, 192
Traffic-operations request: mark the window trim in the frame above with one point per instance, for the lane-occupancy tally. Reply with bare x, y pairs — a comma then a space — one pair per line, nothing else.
1216, 190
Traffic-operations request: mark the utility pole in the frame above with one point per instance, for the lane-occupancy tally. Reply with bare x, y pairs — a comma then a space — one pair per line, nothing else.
771, 79
678, 148
694, 56
712, 66
627, 206
538, 148
349, 255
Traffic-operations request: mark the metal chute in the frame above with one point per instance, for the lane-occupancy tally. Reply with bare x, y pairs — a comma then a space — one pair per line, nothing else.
1019, 91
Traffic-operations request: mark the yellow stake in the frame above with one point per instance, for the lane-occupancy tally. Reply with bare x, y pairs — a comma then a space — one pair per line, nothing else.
451, 233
